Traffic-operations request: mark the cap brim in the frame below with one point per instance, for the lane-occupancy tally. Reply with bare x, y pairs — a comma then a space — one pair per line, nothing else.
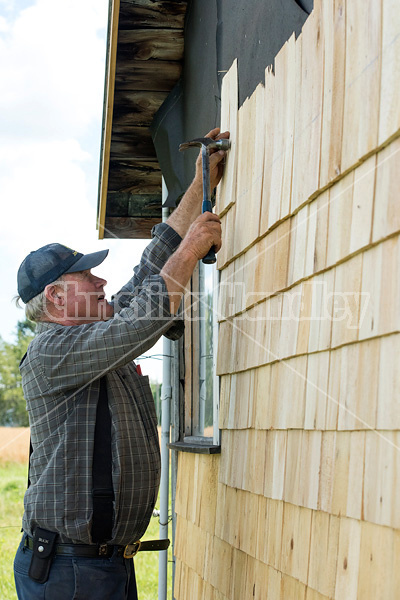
88, 261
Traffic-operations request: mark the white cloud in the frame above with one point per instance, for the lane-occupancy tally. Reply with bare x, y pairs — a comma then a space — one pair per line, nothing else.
52, 68
4, 26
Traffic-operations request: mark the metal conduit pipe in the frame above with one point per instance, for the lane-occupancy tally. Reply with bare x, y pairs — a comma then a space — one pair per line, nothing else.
166, 394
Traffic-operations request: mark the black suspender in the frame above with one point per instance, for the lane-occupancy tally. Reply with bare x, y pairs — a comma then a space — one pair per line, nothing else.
103, 491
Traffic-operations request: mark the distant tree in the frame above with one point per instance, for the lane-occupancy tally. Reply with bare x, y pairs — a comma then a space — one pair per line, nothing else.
156, 391
12, 403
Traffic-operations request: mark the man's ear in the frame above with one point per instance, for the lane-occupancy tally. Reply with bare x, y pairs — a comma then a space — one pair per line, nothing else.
53, 296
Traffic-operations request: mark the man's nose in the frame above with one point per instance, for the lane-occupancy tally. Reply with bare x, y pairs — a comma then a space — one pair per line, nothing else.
100, 282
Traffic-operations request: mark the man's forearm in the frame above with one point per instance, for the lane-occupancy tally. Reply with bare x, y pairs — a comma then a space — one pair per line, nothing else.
188, 209
176, 273
203, 233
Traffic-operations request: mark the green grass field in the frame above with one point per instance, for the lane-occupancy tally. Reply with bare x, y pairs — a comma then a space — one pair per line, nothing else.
13, 478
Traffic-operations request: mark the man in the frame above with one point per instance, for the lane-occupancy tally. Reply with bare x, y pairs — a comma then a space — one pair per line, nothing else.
89, 407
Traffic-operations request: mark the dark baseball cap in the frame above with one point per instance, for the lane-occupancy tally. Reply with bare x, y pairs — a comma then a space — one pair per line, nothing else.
47, 264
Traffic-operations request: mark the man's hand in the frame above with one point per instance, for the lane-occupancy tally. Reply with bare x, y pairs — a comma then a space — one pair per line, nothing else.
190, 206
203, 233
217, 160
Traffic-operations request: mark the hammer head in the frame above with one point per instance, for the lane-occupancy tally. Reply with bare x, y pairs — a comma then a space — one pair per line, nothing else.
208, 143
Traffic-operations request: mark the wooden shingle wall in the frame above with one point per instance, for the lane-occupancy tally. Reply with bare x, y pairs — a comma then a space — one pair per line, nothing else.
303, 502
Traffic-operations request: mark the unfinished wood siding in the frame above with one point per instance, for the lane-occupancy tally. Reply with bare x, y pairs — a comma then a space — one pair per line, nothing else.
303, 501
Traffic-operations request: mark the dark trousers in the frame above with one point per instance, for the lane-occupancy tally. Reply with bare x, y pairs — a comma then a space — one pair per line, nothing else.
76, 578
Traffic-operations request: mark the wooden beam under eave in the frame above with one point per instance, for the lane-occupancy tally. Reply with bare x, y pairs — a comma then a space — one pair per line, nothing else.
136, 108
126, 228
161, 44
105, 159
136, 177
153, 13
152, 75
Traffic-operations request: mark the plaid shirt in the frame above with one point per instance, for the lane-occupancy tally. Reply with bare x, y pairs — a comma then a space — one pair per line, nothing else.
60, 378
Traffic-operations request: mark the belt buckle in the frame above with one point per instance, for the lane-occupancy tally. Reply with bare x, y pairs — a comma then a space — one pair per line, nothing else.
132, 549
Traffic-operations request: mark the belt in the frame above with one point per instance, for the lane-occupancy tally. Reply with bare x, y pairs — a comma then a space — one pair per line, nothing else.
104, 550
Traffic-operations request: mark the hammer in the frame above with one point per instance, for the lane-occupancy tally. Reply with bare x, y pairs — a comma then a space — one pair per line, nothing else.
206, 145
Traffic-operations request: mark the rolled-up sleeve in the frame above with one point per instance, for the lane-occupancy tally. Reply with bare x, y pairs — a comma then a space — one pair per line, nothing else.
164, 243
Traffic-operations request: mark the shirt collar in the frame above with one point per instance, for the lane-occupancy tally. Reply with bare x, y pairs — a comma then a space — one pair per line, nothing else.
42, 326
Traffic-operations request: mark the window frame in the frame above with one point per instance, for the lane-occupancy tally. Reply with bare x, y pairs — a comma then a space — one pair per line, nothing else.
190, 439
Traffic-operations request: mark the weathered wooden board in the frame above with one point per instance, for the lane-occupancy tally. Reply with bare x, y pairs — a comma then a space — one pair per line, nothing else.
296, 541
388, 413
153, 13
283, 133
362, 93
340, 212
316, 391
120, 204
145, 44
363, 200
287, 394
293, 465
326, 478
298, 245
310, 469
292, 589
334, 24
308, 119
321, 233
267, 200
378, 567
358, 397
226, 191
341, 473
382, 468
332, 404
275, 460
132, 144
386, 208
289, 323
147, 75
322, 304
389, 114
135, 177
390, 287
303, 332
250, 161
323, 553
136, 108
370, 312
262, 397
129, 227
346, 311
348, 560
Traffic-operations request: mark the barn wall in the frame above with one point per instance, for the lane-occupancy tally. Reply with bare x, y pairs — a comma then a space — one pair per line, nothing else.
302, 503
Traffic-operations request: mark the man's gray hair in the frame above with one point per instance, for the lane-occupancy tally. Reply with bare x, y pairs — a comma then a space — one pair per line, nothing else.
35, 309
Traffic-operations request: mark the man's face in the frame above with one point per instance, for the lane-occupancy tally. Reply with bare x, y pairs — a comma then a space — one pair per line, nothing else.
84, 298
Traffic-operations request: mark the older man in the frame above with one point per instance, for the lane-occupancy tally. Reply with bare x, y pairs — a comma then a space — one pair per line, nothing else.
95, 464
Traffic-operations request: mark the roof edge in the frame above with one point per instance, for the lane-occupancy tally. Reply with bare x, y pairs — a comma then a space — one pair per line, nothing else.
108, 107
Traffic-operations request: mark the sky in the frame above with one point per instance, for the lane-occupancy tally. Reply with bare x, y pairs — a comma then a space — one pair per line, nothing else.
52, 67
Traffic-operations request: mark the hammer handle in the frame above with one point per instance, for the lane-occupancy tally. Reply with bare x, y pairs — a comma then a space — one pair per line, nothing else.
210, 257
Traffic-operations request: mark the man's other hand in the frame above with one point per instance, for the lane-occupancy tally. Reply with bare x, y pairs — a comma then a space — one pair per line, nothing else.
204, 233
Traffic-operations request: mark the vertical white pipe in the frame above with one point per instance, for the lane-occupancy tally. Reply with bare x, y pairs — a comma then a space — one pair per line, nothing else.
166, 394
202, 353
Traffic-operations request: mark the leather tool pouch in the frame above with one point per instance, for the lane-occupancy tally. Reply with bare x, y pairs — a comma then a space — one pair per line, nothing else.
44, 547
